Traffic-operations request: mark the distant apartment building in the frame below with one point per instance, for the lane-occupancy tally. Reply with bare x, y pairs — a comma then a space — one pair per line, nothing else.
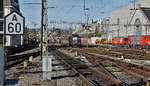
6, 7
130, 20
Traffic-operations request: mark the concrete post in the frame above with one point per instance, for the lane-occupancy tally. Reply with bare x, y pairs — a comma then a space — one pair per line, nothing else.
2, 62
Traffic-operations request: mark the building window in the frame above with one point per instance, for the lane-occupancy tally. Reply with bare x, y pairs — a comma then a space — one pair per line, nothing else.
1, 8
1, 26
118, 21
1, 39
138, 27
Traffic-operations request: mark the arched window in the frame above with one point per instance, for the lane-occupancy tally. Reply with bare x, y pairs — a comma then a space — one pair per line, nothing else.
137, 23
138, 27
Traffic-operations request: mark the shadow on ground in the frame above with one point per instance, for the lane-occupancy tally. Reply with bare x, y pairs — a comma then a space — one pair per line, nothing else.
11, 81
65, 76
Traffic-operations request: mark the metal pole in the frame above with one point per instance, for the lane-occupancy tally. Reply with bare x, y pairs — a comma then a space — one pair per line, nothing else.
44, 25
42, 30
87, 30
118, 32
46, 59
83, 4
134, 5
4, 38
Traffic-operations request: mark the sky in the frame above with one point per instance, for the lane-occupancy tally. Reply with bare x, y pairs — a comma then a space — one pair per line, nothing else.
69, 10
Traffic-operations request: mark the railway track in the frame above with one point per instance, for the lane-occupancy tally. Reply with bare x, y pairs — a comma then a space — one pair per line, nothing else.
13, 60
118, 53
89, 74
112, 67
117, 70
126, 52
17, 49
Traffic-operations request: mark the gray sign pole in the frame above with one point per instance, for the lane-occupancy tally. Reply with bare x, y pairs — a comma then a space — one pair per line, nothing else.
14, 24
2, 66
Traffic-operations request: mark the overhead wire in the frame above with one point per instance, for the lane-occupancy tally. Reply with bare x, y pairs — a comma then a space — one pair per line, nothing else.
72, 7
106, 12
30, 16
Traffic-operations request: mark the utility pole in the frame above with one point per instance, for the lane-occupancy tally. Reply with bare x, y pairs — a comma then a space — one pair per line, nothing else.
44, 23
87, 28
87, 19
134, 5
83, 4
46, 60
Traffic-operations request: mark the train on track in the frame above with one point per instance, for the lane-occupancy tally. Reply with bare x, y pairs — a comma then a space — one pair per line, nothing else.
132, 41
74, 41
54, 41
78, 41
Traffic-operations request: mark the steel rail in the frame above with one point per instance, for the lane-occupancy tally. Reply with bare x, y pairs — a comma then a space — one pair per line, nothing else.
89, 82
119, 64
130, 71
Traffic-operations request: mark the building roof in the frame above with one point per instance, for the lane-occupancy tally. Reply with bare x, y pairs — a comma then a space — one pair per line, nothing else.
146, 12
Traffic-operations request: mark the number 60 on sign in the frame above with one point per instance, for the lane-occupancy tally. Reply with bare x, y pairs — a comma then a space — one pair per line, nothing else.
14, 24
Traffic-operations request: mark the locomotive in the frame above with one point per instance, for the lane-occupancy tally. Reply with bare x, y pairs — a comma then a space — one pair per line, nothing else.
74, 41
133, 41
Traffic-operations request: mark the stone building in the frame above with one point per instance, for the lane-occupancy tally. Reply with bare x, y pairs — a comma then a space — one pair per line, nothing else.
130, 20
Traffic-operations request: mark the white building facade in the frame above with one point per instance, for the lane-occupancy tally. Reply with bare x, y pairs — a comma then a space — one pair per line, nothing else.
130, 20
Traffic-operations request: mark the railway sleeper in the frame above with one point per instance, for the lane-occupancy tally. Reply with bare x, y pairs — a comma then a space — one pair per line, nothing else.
138, 77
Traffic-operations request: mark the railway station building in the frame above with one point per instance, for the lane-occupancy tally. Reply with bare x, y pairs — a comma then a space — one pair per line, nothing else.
6, 7
130, 20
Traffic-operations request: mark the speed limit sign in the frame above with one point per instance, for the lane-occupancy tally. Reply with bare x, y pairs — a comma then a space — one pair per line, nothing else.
14, 24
